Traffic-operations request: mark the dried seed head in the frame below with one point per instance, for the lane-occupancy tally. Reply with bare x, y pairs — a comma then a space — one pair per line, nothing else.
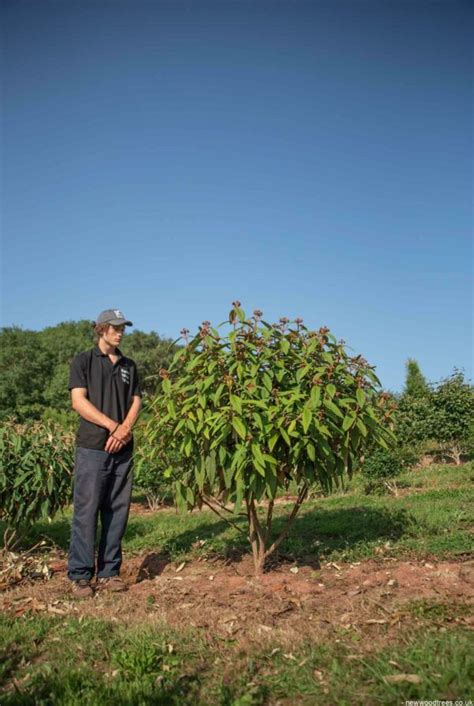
236, 304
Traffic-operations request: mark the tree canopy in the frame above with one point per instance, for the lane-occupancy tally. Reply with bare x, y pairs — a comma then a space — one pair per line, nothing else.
244, 414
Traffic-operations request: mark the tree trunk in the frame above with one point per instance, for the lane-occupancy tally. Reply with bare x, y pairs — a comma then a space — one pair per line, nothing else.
256, 537
259, 536
456, 453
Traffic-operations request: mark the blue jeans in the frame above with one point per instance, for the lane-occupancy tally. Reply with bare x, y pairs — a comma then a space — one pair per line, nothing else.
102, 485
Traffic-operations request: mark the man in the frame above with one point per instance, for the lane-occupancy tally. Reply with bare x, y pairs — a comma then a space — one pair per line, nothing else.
105, 392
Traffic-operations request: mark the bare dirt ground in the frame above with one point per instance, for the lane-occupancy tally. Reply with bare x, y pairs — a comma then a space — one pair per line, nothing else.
226, 602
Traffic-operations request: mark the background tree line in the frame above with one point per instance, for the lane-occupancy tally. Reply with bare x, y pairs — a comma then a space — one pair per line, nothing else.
34, 367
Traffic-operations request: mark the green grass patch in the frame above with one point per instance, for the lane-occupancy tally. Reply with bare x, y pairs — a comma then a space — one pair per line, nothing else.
69, 662
434, 521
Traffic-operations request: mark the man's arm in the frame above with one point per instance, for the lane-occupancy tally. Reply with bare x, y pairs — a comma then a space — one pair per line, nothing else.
87, 411
123, 433
133, 412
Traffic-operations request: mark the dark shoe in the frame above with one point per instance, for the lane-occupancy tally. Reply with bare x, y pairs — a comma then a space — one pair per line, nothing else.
82, 588
111, 583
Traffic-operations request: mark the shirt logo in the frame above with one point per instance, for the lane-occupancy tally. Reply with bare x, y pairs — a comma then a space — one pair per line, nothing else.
125, 374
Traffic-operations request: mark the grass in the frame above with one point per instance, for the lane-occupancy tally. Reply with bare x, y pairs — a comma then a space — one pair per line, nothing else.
46, 660
90, 661
432, 518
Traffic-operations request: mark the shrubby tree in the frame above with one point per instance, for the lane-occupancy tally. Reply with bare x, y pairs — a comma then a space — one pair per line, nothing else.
415, 384
441, 414
453, 412
35, 474
24, 368
241, 415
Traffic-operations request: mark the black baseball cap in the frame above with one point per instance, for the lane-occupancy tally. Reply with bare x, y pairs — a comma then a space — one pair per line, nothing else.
113, 317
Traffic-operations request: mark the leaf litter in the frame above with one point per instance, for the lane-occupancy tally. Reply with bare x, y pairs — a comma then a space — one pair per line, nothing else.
281, 607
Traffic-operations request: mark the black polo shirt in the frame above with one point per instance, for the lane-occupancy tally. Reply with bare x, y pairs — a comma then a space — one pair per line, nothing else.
110, 388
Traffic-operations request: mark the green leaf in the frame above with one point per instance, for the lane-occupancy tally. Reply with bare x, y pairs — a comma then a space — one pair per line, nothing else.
218, 393
331, 390
188, 445
239, 427
333, 408
348, 422
267, 382
315, 397
360, 395
194, 363
257, 454
258, 420
228, 476
271, 482
236, 404
272, 441
307, 417
259, 467
210, 466
285, 436
239, 492
301, 372
180, 494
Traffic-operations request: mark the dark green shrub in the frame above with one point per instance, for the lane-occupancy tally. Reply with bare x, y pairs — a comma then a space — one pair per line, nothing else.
36, 466
382, 464
380, 469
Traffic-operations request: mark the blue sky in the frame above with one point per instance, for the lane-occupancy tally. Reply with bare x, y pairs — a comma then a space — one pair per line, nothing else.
310, 159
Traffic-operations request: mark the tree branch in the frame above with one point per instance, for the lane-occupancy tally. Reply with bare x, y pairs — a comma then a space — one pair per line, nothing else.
301, 496
269, 519
239, 514
222, 517
256, 523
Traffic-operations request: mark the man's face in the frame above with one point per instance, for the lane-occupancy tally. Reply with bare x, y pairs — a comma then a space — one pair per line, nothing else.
113, 335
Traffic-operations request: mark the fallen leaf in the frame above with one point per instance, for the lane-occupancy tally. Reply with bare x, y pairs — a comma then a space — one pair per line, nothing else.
181, 567
294, 569
400, 678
